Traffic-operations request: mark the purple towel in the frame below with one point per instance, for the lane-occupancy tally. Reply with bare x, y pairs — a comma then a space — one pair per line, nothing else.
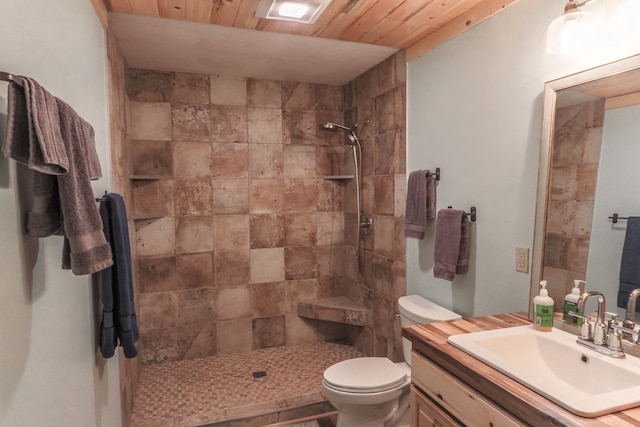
451, 254
421, 203
48, 136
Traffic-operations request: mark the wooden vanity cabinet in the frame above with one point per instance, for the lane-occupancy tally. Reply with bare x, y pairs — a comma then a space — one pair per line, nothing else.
439, 399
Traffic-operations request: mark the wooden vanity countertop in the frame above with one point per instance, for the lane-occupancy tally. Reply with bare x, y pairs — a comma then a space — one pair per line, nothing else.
527, 405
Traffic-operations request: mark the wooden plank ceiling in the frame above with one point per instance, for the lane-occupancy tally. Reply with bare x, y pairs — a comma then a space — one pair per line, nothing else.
415, 25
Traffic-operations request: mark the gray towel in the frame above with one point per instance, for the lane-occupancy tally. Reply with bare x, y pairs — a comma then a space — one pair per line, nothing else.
421, 203
58, 146
451, 253
630, 262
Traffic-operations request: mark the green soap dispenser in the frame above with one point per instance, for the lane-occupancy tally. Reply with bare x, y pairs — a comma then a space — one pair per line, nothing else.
543, 309
571, 304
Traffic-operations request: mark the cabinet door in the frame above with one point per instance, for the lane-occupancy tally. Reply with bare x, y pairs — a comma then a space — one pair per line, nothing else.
425, 413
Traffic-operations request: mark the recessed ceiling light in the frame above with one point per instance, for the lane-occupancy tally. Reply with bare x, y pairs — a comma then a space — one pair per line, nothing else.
304, 11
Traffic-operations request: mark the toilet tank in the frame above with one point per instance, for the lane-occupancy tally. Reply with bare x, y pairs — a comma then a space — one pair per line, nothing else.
415, 309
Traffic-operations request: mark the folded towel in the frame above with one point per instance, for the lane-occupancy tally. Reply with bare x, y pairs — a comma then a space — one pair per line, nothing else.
630, 262
119, 322
451, 253
58, 146
421, 203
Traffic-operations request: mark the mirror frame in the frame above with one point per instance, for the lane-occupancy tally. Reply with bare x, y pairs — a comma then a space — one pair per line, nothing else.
551, 89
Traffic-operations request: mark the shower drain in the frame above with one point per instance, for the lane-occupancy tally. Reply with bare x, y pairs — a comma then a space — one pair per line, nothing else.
259, 374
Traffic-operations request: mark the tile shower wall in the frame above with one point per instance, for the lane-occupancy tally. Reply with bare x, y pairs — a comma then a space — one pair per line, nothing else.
248, 224
574, 173
118, 112
376, 277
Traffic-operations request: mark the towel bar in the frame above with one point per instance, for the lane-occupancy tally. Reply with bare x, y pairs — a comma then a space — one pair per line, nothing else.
615, 217
472, 214
435, 174
8, 77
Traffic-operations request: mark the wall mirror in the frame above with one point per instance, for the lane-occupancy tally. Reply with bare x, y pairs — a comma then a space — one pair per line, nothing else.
589, 170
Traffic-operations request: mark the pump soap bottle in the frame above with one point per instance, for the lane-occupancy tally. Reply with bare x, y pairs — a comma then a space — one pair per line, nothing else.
571, 304
543, 309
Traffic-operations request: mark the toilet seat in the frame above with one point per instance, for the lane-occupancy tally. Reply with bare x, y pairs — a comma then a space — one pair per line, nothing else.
364, 375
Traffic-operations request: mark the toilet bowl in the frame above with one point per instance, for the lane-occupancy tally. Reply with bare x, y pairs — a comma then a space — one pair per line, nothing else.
374, 391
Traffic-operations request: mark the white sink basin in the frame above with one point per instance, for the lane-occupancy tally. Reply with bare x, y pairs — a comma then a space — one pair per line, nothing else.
580, 380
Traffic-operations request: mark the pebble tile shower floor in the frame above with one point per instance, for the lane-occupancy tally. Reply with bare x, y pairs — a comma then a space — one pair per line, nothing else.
231, 390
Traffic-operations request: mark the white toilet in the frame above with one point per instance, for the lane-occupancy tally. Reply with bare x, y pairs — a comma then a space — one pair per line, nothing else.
374, 391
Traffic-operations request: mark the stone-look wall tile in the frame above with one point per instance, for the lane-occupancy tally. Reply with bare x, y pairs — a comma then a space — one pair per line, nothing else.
228, 124
151, 121
157, 274
387, 244
299, 161
583, 219
230, 160
330, 228
160, 345
564, 183
592, 145
192, 160
155, 237
202, 345
234, 336
267, 231
264, 93
191, 122
266, 161
399, 195
300, 330
233, 302
330, 161
300, 229
232, 232
264, 125
384, 201
193, 197
300, 195
330, 196
382, 273
268, 332
190, 89
195, 271
298, 96
561, 218
232, 268
230, 196
194, 234
299, 127
268, 299
324, 137
267, 265
389, 109
157, 310
300, 263
228, 90
587, 180
329, 97
266, 195
196, 307
149, 86
298, 290
151, 158
390, 154
153, 197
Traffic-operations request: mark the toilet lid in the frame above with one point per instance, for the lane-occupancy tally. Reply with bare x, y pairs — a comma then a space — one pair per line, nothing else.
364, 374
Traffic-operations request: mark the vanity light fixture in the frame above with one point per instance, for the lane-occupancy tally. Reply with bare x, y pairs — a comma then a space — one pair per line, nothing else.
572, 31
303, 11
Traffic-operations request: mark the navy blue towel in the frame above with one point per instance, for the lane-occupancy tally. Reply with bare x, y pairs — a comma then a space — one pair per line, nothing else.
118, 309
630, 262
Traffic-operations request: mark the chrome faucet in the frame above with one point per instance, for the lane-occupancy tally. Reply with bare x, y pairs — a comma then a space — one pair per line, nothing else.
599, 329
603, 337
631, 309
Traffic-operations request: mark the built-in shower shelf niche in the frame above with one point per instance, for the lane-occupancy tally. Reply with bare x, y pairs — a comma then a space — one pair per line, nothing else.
146, 178
338, 177
333, 309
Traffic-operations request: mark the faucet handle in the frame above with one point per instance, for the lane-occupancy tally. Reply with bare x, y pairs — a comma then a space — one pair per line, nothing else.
586, 330
614, 340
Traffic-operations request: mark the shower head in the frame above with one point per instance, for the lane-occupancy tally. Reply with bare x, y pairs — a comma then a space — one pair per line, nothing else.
332, 127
